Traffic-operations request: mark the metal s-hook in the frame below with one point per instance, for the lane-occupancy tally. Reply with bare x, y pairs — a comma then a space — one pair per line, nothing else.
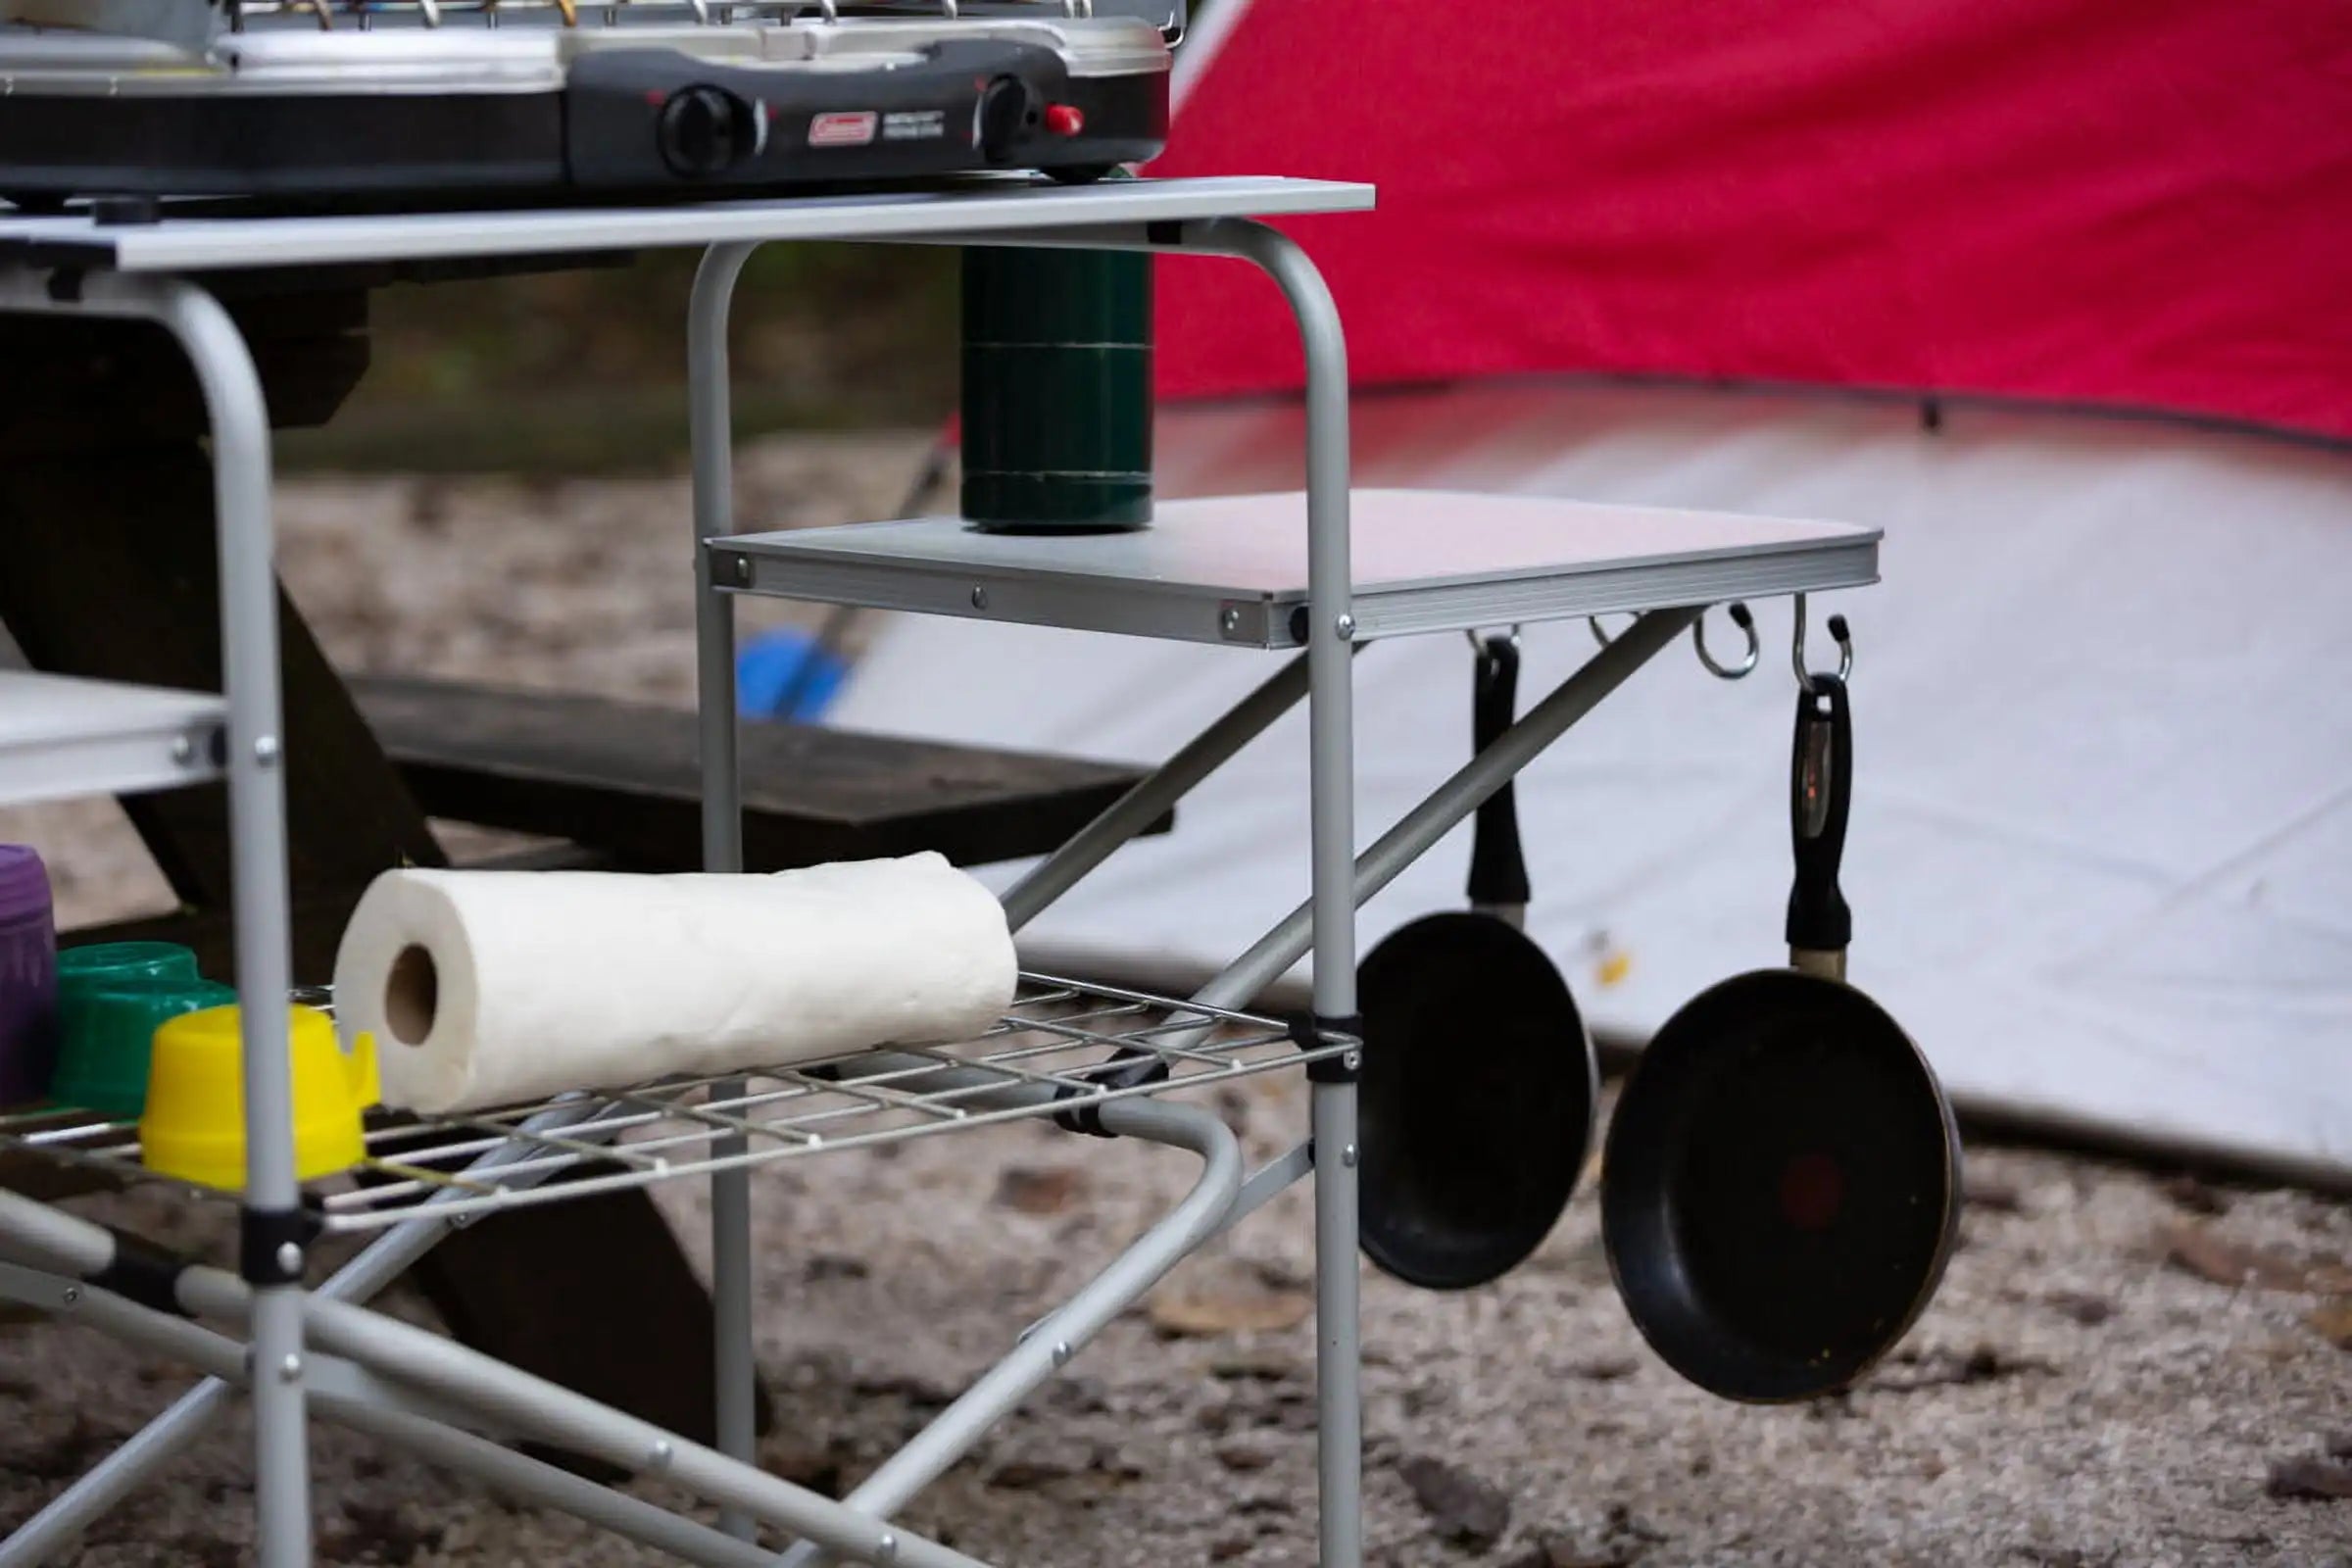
1747, 622
1837, 631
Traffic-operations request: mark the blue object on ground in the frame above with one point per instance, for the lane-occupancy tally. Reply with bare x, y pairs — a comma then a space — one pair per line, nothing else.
787, 674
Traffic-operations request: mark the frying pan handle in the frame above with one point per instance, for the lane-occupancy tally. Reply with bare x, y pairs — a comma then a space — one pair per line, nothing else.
1497, 865
1820, 791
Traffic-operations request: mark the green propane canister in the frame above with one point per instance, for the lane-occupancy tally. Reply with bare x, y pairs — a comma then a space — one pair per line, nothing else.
1056, 390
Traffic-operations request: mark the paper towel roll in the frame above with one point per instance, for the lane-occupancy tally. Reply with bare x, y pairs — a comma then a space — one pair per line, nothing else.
485, 988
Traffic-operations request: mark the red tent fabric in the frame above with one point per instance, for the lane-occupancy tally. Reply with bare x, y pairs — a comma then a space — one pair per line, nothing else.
2143, 205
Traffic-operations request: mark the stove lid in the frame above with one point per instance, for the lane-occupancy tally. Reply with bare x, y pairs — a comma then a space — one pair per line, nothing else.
193, 25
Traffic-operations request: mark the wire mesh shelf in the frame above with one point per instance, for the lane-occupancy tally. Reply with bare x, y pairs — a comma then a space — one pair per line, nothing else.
1065, 1048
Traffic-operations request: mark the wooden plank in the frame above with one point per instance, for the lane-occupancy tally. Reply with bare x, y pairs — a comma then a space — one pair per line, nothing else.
622, 778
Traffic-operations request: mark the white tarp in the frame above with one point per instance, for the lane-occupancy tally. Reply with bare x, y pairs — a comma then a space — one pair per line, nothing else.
2101, 852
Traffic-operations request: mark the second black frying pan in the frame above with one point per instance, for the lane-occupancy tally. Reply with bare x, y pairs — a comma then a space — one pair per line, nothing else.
1782, 1179
1479, 1081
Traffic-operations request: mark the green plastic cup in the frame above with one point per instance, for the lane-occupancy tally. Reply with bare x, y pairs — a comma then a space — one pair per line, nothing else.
124, 960
108, 1027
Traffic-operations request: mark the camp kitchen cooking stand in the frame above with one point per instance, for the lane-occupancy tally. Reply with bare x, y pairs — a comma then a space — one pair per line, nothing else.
1279, 573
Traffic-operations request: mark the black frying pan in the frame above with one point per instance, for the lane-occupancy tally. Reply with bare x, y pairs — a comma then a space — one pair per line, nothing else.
1479, 1081
1781, 1178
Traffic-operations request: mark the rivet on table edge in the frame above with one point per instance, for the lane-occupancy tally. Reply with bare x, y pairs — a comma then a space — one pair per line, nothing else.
72, 1295
1231, 619
979, 599
743, 570
183, 750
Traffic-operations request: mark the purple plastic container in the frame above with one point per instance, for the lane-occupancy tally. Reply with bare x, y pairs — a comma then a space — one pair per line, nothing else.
27, 977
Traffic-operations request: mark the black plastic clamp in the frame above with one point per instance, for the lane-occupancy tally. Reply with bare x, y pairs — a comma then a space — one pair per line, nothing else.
143, 1272
272, 1243
1130, 1069
1313, 1034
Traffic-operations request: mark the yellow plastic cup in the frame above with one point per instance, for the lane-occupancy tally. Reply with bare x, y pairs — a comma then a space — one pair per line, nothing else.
194, 1125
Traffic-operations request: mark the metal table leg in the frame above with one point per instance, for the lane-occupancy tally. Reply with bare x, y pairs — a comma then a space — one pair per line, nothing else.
45, 1536
712, 435
1331, 718
1331, 788
249, 657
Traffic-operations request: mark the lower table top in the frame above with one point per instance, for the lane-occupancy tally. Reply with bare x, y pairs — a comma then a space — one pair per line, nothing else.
1233, 570
62, 737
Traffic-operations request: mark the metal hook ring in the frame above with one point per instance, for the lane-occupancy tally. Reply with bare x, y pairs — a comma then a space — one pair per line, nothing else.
1600, 635
1747, 622
1478, 644
1837, 631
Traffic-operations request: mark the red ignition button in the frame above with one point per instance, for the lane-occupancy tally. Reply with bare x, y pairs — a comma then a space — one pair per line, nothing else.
1064, 119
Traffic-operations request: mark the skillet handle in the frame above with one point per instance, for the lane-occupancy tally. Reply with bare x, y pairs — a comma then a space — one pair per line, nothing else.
1497, 865
1821, 787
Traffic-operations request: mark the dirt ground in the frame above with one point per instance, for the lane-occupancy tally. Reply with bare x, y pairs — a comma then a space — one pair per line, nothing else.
2124, 1368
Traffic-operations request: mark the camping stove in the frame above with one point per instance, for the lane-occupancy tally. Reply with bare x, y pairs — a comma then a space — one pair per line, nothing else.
437, 99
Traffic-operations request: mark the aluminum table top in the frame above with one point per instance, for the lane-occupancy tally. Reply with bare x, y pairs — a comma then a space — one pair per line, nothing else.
1234, 570
982, 204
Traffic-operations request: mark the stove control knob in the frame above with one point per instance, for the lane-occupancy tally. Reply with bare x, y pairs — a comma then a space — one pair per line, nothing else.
704, 131
1007, 108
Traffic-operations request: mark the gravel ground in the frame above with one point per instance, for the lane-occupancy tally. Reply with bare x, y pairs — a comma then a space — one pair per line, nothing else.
2120, 1369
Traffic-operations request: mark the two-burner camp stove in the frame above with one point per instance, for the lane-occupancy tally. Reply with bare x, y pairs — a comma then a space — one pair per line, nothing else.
333, 99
